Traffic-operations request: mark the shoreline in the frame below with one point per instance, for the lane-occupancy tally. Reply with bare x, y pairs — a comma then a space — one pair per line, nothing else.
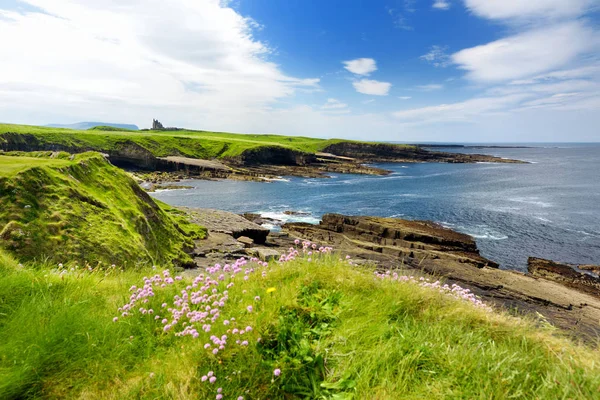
556, 292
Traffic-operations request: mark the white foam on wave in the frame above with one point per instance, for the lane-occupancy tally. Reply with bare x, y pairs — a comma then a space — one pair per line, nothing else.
283, 217
278, 179
531, 200
483, 232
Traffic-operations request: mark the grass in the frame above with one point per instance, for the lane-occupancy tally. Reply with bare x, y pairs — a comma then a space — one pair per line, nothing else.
10, 166
82, 209
333, 330
194, 144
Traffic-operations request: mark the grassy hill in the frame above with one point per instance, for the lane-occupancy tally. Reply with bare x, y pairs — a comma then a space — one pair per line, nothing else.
82, 209
311, 327
193, 144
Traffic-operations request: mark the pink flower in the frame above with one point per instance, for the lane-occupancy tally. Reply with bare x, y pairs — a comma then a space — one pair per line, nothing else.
212, 379
277, 372
115, 319
219, 396
249, 308
204, 378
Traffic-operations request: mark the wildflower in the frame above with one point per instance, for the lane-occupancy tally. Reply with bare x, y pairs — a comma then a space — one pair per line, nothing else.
212, 379
277, 372
271, 290
347, 257
115, 319
244, 343
220, 390
257, 298
204, 378
219, 396
249, 308
151, 374
240, 398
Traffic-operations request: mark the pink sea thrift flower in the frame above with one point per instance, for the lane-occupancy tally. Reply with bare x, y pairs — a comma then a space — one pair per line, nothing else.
249, 308
277, 372
212, 379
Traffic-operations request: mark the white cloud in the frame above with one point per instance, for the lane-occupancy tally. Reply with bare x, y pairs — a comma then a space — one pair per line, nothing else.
405, 97
376, 88
525, 9
461, 111
526, 54
430, 87
441, 4
333, 104
361, 66
136, 59
368, 101
437, 57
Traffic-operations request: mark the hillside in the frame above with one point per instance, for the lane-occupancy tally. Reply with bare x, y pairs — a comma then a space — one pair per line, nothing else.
82, 209
90, 125
149, 150
309, 326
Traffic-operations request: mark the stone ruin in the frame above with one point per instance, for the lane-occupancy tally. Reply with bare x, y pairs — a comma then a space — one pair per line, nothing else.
157, 125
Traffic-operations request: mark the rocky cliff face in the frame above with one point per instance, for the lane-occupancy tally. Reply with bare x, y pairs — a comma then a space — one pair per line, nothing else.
274, 155
382, 152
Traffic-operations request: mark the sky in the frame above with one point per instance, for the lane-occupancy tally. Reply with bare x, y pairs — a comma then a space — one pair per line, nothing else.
382, 70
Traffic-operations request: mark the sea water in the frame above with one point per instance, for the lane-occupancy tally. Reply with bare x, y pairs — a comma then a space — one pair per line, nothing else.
549, 208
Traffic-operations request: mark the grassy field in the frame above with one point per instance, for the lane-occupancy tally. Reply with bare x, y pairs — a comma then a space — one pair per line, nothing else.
9, 166
83, 209
194, 144
314, 327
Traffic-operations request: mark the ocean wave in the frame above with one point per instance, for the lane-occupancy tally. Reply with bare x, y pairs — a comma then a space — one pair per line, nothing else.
306, 217
531, 200
483, 232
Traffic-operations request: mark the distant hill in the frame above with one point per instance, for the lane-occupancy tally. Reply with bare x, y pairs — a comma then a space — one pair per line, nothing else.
87, 125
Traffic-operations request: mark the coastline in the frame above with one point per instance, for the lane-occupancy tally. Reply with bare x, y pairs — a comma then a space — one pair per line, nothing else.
551, 292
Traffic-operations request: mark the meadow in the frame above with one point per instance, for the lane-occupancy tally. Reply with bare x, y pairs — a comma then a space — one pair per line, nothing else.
309, 325
162, 143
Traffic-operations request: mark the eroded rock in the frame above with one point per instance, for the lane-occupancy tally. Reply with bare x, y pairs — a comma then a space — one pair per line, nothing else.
564, 274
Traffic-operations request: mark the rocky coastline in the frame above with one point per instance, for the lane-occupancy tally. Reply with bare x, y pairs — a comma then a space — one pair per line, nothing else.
550, 292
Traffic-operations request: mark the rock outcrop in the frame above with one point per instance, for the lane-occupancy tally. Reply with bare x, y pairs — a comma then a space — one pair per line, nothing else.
432, 249
411, 241
563, 274
383, 152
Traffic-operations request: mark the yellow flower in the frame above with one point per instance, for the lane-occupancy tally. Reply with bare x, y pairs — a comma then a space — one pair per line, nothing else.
271, 290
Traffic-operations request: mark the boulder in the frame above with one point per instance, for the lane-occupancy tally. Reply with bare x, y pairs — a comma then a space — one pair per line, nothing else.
246, 241
264, 253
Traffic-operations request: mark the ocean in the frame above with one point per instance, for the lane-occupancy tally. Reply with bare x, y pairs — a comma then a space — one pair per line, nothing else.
549, 208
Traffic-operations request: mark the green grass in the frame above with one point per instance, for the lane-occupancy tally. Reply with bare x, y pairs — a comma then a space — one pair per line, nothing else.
334, 331
82, 209
194, 144
10, 166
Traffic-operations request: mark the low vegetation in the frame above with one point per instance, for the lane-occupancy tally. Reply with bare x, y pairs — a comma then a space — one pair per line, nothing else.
61, 207
193, 144
310, 325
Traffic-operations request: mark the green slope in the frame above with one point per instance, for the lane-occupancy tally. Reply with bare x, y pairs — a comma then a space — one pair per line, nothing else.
82, 209
194, 144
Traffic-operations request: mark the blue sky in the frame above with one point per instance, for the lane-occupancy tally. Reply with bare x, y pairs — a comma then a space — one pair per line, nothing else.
393, 70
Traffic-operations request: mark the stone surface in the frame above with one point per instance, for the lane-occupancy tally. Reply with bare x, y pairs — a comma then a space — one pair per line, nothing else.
245, 240
265, 254
564, 274
228, 223
593, 268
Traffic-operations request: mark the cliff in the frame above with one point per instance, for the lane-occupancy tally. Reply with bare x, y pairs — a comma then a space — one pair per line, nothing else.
81, 208
248, 155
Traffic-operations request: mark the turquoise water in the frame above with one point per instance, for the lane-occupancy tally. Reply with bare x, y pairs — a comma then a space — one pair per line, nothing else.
549, 208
